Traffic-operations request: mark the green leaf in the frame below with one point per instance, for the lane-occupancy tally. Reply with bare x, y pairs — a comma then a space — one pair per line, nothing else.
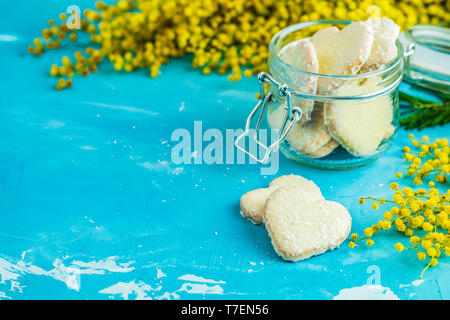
423, 113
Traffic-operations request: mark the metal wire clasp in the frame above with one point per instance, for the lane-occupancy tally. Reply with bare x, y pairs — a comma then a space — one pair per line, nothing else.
409, 52
293, 114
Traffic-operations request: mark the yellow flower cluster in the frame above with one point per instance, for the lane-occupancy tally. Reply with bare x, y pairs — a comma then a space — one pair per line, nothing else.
427, 158
221, 35
423, 212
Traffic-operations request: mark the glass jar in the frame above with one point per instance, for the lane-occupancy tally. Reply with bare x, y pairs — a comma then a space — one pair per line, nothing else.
342, 122
428, 60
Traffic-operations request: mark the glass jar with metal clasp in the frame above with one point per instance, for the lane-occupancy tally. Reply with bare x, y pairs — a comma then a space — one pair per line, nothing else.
428, 62
347, 127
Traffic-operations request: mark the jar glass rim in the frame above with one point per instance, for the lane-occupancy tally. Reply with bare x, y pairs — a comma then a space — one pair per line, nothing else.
428, 36
292, 28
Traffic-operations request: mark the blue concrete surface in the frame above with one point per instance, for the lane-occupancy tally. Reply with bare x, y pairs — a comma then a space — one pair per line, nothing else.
91, 206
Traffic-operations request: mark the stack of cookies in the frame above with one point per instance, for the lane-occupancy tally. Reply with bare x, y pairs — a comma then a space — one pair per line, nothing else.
359, 127
300, 222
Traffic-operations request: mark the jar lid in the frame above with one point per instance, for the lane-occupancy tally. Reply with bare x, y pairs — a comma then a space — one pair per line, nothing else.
427, 52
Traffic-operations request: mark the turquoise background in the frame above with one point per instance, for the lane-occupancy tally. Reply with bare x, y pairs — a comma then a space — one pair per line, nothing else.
91, 206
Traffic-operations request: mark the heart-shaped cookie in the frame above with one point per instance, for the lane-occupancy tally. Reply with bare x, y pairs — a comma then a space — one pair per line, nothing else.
252, 203
301, 227
360, 126
384, 49
325, 150
305, 137
293, 179
301, 55
341, 52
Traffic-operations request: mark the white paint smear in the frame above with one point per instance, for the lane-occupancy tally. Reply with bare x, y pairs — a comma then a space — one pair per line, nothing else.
140, 290
161, 166
124, 108
89, 148
7, 38
3, 296
418, 282
70, 274
193, 277
108, 264
160, 274
367, 292
201, 288
415, 283
137, 290
54, 124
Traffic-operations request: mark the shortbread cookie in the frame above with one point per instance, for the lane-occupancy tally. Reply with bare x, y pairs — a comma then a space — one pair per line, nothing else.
384, 49
304, 137
359, 126
301, 227
252, 203
302, 56
324, 150
384, 28
292, 179
389, 132
341, 52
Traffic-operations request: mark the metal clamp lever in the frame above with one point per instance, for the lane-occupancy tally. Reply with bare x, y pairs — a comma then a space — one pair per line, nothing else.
293, 114
407, 55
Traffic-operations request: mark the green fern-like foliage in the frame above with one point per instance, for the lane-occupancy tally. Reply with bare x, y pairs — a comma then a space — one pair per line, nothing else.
423, 113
